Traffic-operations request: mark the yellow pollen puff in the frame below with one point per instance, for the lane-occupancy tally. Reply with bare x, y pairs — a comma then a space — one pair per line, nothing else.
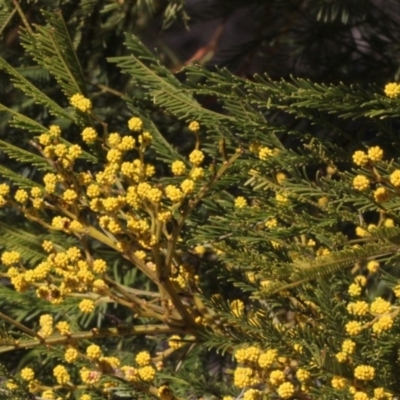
114, 139
353, 328
71, 355
380, 306
143, 358
85, 397
27, 374
74, 152
197, 173
264, 153
373, 266
392, 90
135, 124
359, 308
46, 325
80, 102
178, 168
396, 291
240, 202
86, 306
154, 195
384, 323
196, 157
94, 352
194, 126
303, 375
338, 382
354, 290
61, 150
4, 189
174, 194
361, 183
63, 327
21, 196
242, 377
44, 139
250, 354
89, 135
114, 156
341, 357
395, 178
252, 394
10, 258
360, 158
348, 346
127, 143
164, 216
277, 377
93, 190
375, 153
69, 196
90, 377
61, 374
286, 390
187, 186
99, 266
364, 372
147, 373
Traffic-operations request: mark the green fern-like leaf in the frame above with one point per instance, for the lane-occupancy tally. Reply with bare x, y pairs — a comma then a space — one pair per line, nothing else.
52, 48
32, 91
19, 154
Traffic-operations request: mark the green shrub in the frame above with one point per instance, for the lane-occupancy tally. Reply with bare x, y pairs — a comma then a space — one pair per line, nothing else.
256, 258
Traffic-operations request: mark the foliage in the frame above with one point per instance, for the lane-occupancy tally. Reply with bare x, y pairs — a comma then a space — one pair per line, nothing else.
254, 256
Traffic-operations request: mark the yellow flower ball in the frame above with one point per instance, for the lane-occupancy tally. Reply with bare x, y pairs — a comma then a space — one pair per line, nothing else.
375, 153
194, 126
143, 358
89, 135
338, 382
395, 178
86, 306
135, 124
353, 328
392, 90
27, 374
80, 102
196, 157
361, 183
364, 372
240, 202
178, 168
286, 390
360, 158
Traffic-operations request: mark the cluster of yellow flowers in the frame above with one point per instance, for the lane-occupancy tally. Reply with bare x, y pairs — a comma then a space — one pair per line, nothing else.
269, 372
363, 183
80, 102
77, 275
91, 376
